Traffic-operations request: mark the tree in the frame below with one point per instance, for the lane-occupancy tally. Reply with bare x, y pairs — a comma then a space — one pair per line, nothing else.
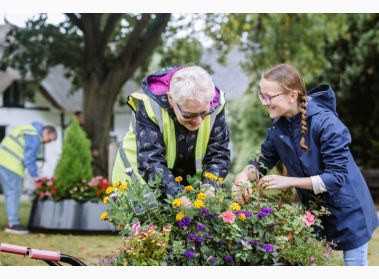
74, 166
337, 49
100, 52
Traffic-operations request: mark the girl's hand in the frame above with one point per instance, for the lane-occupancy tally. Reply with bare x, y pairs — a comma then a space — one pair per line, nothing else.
275, 182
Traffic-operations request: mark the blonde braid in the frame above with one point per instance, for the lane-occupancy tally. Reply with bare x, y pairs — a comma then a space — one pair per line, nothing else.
304, 127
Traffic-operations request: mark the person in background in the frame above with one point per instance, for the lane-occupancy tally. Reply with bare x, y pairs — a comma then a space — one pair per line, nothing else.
18, 151
312, 142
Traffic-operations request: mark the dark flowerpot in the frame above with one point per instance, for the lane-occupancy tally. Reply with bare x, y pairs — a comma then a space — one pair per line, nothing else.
68, 215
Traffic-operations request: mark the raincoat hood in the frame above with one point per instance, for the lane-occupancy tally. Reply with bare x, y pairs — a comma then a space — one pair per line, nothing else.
157, 85
321, 98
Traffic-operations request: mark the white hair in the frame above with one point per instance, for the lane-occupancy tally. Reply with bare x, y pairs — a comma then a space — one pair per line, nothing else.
192, 83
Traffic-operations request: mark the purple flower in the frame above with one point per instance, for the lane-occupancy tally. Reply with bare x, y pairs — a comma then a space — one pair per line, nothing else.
192, 236
168, 261
245, 212
189, 254
199, 239
185, 222
207, 237
204, 211
129, 171
221, 241
113, 196
264, 212
212, 260
213, 215
268, 248
312, 259
200, 227
228, 258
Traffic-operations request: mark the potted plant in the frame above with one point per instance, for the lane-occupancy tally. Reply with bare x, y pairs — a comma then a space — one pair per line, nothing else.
215, 230
71, 200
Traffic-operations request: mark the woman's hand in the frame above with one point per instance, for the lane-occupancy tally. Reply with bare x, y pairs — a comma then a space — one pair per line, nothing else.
275, 182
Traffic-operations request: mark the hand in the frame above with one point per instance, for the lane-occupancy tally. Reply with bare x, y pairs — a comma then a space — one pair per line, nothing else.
185, 201
275, 182
241, 194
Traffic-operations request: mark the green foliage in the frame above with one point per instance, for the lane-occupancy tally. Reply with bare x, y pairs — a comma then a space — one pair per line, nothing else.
248, 122
337, 49
74, 166
213, 229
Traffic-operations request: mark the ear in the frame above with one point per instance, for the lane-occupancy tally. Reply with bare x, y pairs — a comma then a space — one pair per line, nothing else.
169, 98
294, 96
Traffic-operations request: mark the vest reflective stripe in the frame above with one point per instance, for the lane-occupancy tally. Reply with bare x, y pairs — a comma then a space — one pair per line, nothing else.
128, 155
12, 149
11, 152
169, 138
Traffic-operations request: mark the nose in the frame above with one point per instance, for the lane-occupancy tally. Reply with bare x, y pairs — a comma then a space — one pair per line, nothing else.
197, 120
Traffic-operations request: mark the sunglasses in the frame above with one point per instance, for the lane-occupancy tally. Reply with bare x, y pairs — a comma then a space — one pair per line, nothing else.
191, 116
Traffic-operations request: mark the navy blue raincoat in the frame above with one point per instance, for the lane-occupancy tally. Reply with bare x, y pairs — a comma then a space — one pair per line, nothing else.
353, 216
151, 147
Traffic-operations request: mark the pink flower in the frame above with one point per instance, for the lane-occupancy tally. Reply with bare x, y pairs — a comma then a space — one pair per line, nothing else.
38, 185
50, 183
228, 217
309, 219
136, 227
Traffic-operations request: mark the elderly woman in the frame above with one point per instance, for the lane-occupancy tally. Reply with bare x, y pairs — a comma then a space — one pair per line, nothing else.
179, 129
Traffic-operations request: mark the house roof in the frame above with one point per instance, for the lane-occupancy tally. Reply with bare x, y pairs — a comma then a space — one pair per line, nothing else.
229, 77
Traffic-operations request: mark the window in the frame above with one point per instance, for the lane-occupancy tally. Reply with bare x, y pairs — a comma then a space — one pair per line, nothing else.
13, 96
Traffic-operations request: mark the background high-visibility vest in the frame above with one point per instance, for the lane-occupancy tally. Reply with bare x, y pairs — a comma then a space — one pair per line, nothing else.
13, 146
127, 153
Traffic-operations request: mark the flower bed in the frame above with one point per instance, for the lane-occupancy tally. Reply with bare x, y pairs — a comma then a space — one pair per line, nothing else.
72, 209
214, 230
92, 190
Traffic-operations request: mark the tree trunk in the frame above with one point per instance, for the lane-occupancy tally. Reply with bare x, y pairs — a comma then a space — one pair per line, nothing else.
98, 110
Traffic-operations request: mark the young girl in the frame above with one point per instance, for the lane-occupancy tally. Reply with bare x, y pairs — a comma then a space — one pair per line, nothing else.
310, 140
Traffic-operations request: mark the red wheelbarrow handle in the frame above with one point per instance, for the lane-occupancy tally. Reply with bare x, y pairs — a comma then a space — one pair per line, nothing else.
33, 253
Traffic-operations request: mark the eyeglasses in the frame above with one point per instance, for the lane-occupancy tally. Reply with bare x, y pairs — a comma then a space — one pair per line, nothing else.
191, 116
267, 98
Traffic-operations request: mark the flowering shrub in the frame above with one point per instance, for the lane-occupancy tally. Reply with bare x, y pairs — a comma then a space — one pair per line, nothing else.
214, 229
93, 190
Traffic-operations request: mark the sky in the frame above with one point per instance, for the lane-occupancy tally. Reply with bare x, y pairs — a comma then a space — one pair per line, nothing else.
19, 19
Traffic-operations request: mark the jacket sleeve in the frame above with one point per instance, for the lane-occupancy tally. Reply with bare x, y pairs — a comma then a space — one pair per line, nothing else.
151, 152
269, 156
217, 156
32, 144
334, 149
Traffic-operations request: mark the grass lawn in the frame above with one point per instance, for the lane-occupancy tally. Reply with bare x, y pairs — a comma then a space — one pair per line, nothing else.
87, 248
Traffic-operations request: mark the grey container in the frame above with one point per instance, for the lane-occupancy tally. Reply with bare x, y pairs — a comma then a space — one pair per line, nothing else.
68, 215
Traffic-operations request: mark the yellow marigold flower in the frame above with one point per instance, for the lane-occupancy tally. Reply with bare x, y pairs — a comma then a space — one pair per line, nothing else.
198, 203
221, 179
179, 179
179, 216
105, 200
242, 216
201, 196
104, 215
210, 176
188, 188
116, 184
235, 206
123, 187
109, 190
176, 203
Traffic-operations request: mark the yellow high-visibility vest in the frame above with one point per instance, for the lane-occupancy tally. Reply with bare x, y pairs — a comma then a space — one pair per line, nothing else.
12, 148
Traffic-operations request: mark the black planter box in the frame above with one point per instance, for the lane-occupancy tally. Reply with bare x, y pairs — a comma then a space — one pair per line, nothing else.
68, 215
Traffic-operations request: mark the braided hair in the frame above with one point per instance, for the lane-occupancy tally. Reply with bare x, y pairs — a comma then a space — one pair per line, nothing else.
290, 79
